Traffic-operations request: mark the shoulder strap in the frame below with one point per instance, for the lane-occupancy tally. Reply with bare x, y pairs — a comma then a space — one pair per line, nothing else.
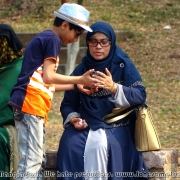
115, 118
120, 113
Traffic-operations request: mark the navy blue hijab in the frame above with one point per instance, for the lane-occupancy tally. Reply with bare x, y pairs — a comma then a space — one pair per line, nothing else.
93, 108
89, 61
117, 62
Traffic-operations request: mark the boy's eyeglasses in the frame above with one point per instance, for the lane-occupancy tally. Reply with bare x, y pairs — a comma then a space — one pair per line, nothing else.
104, 42
78, 33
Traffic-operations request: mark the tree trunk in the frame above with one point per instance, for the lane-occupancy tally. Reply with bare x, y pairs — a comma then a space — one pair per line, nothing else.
80, 2
64, 1
72, 52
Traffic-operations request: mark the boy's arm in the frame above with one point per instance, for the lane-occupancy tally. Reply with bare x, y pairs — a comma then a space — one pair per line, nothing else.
63, 87
79, 87
51, 77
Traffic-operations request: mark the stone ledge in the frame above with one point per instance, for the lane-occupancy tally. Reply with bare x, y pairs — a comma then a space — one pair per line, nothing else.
25, 38
160, 159
51, 159
160, 162
164, 162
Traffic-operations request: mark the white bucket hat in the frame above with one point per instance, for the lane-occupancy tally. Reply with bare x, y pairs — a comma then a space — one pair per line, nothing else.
75, 14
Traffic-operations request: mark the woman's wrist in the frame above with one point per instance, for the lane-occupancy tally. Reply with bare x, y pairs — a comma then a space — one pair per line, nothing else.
71, 120
114, 88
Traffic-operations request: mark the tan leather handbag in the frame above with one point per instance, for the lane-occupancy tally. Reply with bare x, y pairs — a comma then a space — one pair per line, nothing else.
146, 137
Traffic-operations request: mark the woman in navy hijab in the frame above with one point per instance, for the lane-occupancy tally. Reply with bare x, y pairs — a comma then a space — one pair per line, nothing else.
90, 148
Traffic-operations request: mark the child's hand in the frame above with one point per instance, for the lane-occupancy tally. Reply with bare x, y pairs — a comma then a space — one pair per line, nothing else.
88, 79
87, 90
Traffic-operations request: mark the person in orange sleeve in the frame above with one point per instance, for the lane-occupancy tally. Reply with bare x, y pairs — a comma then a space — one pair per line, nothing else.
32, 94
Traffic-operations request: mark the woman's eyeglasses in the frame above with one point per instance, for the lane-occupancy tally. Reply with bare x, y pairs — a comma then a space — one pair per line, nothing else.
104, 42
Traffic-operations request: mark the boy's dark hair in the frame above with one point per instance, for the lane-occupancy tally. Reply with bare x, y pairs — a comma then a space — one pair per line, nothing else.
58, 22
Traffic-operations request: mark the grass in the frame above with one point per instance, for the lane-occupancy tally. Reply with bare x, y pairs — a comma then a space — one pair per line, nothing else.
151, 49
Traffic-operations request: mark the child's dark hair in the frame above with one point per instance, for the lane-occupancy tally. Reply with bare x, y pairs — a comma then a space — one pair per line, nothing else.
58, 22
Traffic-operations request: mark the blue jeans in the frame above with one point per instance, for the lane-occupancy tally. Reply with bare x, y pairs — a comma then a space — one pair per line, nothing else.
31, 145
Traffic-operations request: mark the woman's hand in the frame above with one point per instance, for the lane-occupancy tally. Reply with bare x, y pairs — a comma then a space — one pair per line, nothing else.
78, 123
106, 81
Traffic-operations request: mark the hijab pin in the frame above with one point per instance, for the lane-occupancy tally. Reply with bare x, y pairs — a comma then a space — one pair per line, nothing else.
121, 65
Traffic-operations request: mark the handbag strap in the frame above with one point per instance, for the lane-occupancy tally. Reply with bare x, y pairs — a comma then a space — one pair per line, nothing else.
115, 118
117, 111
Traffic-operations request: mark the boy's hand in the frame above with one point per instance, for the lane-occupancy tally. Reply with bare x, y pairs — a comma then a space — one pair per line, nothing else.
88, 80
87, 90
